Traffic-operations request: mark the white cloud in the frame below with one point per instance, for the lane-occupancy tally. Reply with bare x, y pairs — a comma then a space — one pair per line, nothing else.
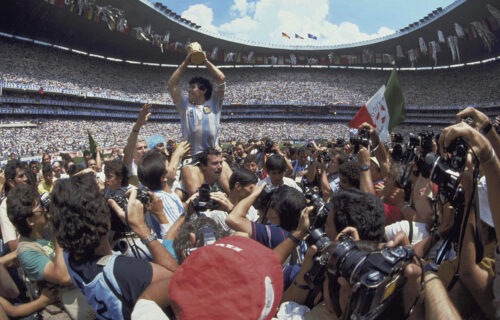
202, 15
263, 21
241, 8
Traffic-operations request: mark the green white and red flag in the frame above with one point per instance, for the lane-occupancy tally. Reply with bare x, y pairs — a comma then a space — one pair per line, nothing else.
385, 110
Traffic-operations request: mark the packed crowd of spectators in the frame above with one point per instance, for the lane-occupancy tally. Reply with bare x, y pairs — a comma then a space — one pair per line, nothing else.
29, 64
52, 135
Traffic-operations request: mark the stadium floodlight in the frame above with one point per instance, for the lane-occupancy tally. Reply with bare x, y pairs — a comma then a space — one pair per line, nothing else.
456, 65
490, 59
151, 64
473, 63
132, 62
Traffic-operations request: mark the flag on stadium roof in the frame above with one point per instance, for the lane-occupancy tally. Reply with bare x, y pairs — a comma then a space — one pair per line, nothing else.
311, 36
300, 37
385, 110
285, 35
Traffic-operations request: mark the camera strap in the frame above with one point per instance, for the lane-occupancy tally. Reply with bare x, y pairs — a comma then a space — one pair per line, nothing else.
478, 243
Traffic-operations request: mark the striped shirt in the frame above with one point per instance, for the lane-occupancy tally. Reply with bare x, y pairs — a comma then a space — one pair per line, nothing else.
172, 208
200, 123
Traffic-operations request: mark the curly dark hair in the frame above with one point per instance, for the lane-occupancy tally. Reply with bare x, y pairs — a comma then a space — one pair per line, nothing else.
352, 172
203, 84
288, 203
80, 215
119, 169
365, 212
20, 203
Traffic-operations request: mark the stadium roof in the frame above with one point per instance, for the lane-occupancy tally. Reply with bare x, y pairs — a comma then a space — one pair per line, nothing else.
81, 25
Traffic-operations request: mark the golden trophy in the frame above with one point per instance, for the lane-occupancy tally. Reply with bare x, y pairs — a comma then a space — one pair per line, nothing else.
197, 56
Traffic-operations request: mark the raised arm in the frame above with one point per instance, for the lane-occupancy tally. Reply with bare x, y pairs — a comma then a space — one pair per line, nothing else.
378, 150
173, 82
218, 76
483, 124
365, 179
56, 271
182, 149
142, 118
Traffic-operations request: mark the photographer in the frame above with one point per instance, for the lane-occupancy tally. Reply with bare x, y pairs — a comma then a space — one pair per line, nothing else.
80, 220
284, 214
490, 166
156, 174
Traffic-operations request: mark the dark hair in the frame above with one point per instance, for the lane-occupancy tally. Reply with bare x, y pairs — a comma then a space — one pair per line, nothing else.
302, 149
276, 162
207, 152
343, 158
119, 169
152, 168
203, 84
243, 176
80, 214
10, 172
86, 153
365, 212
250, 158
33, 162
182, 241
288, 203
352, 172
47, 168
20, 203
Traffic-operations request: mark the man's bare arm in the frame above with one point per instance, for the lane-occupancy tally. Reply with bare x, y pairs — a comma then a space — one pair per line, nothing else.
132, 138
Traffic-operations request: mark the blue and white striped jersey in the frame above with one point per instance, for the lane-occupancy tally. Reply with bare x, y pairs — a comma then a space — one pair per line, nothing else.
200, 124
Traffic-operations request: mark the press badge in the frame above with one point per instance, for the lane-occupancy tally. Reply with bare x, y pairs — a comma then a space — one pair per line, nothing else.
206, 110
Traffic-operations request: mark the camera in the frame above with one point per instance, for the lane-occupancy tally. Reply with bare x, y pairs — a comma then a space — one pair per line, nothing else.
377, 275
340, 143
316, 275
205, 235
323, 156
361, 139
45, 201
267, 146
320, 211
203, 202
121, 200
446, 173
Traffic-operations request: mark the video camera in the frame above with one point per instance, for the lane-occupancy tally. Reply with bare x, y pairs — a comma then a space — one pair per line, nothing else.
324, 157
203, 202
360, 139
267, 146
375, 275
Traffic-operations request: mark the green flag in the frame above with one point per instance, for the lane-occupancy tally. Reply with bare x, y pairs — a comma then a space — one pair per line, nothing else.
92, 145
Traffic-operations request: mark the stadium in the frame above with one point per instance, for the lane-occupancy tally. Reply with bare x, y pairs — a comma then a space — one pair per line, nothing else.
72, 66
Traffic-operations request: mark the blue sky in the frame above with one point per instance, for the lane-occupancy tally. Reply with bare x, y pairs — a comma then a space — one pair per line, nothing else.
334, 21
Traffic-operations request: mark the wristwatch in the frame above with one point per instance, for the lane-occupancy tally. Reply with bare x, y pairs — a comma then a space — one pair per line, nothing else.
365, 167
151, 238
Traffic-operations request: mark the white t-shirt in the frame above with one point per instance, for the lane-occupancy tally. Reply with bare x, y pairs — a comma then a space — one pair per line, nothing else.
147, 310
286, 181
219, 217
9, 232
419, 230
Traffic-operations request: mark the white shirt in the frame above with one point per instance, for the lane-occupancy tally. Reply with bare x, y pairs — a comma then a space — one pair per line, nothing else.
9, 232
286, 181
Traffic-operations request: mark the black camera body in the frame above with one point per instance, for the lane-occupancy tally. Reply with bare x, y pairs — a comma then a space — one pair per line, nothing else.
447, 173
320, 211
375, 276
266, 147
121, 200
204, 202
45, 201
324, 157
361, 139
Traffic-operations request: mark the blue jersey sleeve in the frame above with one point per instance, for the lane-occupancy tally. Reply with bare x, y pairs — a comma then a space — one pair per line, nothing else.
268, 235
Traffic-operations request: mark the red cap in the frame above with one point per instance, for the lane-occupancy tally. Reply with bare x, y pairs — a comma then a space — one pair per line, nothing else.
234, 278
